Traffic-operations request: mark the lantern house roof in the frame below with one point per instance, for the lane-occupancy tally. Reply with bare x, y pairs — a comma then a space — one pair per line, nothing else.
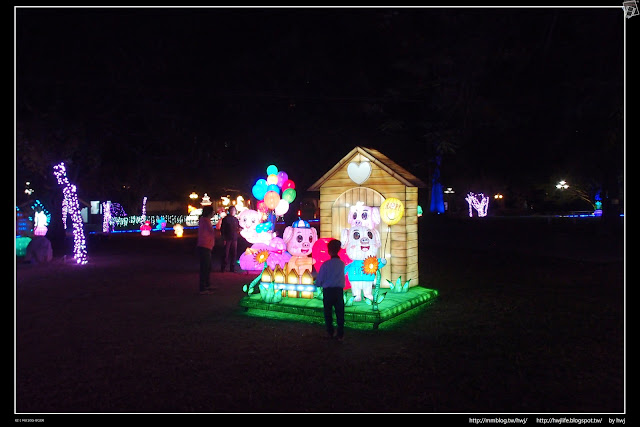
377, 158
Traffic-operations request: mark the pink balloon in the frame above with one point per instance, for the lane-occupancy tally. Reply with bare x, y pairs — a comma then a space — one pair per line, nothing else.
261, 206
288, 184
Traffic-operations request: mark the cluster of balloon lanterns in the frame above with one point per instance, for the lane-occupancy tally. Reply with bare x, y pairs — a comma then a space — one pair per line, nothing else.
275, 193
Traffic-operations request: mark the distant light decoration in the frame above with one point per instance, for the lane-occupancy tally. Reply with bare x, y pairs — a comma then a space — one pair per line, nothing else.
391, 211
161, 223
40, 224
145, 229
562, 185
38, 206
178, 230
449, 190
240, 204
106, 217
71, 206
144, 208
41, 218
21, 245
28, 190
598, 205
206, 200
498, 196
193, 195
479, 202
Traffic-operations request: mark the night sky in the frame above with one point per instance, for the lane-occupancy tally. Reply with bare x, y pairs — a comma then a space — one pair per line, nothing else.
162, 101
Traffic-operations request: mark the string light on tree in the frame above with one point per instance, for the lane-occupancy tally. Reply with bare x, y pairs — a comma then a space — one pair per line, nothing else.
479, 202
144, 209
71, 207
106, 217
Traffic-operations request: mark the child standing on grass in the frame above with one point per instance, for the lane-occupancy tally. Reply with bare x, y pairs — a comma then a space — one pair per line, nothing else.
331, 279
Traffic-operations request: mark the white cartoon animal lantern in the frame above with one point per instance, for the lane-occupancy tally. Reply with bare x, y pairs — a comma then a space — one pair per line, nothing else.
361, 245
249, 219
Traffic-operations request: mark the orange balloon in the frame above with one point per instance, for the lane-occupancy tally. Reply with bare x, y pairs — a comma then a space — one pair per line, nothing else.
271, 199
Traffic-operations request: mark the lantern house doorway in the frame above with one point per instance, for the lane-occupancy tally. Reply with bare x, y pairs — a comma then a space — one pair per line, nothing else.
339, 221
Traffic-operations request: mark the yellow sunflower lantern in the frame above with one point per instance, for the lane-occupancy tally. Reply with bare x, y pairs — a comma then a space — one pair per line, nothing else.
391, 211
370, 265
261, 256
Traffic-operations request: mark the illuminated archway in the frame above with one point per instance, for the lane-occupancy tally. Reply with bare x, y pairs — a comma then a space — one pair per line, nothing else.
340, 212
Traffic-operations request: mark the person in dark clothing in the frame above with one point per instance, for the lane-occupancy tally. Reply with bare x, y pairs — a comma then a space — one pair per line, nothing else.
230, 231
206, 242
331, 279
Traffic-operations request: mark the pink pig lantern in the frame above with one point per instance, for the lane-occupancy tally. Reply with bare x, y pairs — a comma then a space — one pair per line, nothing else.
299, 238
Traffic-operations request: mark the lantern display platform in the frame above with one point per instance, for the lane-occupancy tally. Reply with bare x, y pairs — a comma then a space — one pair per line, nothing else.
361, 313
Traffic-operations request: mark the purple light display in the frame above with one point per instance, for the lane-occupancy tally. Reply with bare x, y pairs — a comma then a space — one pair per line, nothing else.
71, 206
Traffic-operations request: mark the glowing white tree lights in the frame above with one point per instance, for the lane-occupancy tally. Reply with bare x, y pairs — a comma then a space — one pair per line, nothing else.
479, 202
144, 209
71, 206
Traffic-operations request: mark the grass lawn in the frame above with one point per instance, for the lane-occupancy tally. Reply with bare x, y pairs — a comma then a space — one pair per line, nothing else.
529, 318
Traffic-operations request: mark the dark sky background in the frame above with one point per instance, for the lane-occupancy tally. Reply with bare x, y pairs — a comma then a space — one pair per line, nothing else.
161, 101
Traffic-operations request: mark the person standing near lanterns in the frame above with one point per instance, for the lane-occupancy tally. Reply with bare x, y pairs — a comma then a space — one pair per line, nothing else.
230, 230
331, 279
206, 242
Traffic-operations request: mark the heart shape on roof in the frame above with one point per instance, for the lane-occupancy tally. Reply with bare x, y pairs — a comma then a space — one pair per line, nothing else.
359, 172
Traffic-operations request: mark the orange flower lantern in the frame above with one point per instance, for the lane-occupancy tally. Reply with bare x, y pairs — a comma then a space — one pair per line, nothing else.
370, 265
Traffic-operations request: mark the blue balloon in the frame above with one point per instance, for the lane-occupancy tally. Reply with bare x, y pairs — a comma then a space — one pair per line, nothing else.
259, 189
273, 187
258, 192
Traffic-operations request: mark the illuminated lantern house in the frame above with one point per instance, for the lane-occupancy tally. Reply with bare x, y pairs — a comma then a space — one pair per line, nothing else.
366, 175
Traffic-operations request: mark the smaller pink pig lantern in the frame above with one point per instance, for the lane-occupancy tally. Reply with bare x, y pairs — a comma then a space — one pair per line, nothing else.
145, 229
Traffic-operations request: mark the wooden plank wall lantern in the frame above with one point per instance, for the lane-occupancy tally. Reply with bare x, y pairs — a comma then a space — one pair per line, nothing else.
368, 176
